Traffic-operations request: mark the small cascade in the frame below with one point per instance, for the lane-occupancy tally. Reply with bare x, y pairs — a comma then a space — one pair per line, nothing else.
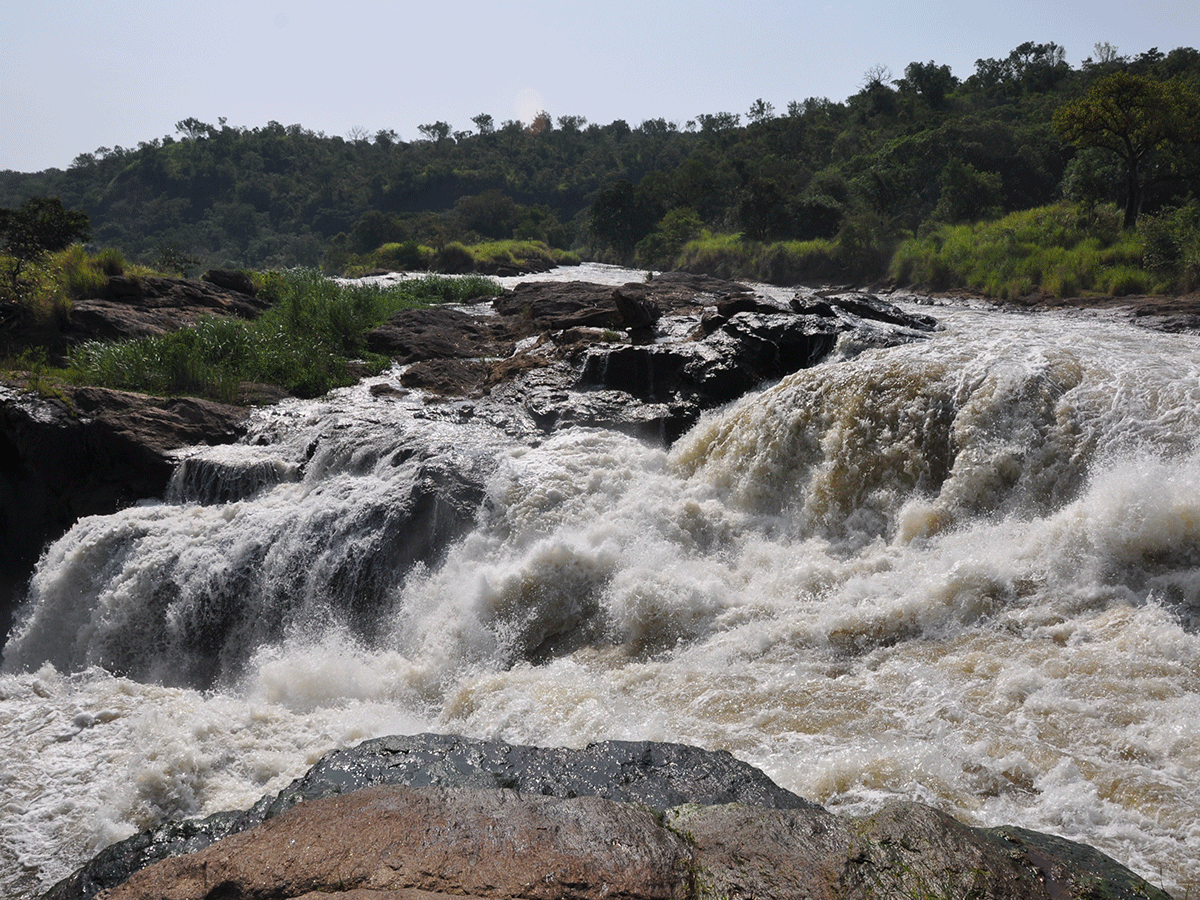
228, 474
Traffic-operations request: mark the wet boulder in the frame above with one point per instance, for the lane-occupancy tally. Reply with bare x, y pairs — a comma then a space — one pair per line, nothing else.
439, 814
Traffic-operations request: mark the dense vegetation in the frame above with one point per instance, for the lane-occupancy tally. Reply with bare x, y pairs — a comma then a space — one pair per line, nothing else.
310, 339
304, 343
823, 189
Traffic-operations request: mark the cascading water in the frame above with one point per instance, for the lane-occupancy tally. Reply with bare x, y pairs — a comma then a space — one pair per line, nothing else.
964, 571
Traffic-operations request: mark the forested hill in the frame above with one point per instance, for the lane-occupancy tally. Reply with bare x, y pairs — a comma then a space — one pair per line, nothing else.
904, 150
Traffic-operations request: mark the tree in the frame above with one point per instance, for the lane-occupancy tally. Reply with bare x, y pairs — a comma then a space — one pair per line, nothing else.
573, 124
543, 123
38, 226
484, 123
436, 131
1131, 116
931, 82
621, 216
760, 111
193, 129
966, 194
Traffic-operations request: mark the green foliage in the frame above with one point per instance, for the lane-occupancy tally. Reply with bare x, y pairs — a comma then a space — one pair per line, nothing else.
783, 262
661, 248
80, 274
1171, 242
303, 343
174, 261
621, 216
408, 256
453, 259
39, 226
864, 246
1065, 250
1131, 116
966, 194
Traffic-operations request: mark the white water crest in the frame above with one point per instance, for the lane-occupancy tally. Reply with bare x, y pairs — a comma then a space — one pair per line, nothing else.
964, 571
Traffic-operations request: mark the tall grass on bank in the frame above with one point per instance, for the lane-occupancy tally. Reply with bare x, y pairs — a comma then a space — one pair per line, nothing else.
459, 258
1065, 250
784, 262
859, 252
302, 344
49, 285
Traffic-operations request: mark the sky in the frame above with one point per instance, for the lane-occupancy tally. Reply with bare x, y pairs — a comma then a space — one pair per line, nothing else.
77, 75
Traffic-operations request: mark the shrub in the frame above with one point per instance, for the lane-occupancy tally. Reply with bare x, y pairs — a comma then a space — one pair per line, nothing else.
1121, 281
1171, 245
864, 246
453, 259
110, 261
406, 257
78, 274
1064, 250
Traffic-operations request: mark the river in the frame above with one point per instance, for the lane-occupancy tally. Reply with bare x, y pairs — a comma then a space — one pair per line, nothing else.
964, 571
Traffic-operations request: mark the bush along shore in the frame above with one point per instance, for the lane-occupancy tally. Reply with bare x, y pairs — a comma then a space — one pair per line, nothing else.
1064, 251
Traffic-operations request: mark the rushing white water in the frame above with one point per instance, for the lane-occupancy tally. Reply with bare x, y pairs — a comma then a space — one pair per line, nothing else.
964, 571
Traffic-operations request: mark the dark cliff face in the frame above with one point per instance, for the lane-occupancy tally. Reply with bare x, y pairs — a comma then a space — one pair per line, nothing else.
90, 452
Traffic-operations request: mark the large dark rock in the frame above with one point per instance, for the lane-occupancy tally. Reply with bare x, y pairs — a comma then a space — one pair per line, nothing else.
654, 775
553, 306
231, 280
422, 334
645, 358
863, 306
409, 817
136, 307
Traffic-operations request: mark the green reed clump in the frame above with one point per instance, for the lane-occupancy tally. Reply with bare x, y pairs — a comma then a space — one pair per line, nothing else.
302, 343
519, 252
780, 262
1065, 250
456, 258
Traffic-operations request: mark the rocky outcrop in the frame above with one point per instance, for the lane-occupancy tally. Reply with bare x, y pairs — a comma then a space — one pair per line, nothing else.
135, 307
412, 817
646, 357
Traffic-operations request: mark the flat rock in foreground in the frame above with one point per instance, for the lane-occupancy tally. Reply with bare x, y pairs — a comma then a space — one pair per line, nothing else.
413, 817
405, 842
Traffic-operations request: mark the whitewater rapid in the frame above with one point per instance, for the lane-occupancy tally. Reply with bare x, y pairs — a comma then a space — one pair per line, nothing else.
964, 571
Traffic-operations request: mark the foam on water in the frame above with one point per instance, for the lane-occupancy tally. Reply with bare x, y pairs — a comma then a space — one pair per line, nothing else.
965, 571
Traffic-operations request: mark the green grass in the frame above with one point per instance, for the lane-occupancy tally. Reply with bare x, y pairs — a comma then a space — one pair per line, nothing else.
522, 251
48, 285
303, 343
456, 257
781, 262
1063, 250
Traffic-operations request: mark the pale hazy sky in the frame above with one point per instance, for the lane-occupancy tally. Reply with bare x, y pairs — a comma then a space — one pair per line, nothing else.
76, 75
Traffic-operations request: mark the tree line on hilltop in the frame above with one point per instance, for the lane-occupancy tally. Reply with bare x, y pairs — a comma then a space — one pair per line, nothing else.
903, 154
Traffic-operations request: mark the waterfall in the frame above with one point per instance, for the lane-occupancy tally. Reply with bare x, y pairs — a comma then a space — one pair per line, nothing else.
964, 570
